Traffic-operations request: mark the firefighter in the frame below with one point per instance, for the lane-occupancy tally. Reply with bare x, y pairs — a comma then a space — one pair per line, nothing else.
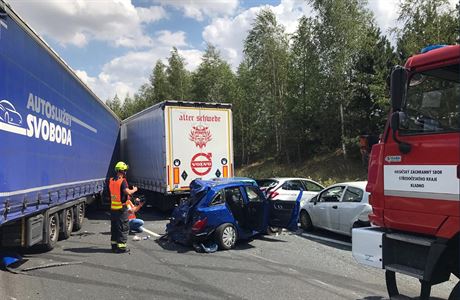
119, 193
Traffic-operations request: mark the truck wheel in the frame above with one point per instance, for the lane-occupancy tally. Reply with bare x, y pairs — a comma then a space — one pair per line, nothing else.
79, 215
305, 221
53, 231
67, 224
226, 236
455, 294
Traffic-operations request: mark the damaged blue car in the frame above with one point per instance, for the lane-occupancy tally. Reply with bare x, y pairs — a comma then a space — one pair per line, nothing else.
228, 210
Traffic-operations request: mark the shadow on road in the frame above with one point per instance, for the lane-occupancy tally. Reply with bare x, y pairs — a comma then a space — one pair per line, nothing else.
88, 250
327, 238
269, 238
169, 245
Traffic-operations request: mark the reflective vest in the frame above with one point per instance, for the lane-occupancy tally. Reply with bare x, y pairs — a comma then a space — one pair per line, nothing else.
115, 193
131, 214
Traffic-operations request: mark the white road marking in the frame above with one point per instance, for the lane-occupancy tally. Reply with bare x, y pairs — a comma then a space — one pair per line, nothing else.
152, 233
325, 239
264, 258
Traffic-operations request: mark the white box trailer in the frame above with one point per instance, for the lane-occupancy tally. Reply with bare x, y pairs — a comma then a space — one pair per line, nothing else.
174, 142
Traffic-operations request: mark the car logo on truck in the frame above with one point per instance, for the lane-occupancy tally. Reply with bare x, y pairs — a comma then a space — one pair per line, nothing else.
8, 113
201, 163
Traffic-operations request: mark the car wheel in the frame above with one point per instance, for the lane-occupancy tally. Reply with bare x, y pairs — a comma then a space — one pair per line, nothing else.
67, 224
305, 221
79, 215
226, 236
53, 231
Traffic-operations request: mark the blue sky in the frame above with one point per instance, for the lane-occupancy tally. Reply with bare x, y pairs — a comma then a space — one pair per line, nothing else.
114, 44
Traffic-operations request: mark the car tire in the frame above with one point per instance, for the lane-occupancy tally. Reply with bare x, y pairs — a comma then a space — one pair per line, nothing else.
67, 224
455, 294
305, 221
226, 236
79, 215
53, 232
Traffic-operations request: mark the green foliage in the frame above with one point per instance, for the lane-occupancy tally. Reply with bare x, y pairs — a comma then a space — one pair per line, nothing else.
266, 50
213, 81
425, 22
289, 90
159, 83
326, 169
178, 77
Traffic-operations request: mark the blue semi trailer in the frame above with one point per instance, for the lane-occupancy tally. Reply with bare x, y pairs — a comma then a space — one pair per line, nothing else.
57, 140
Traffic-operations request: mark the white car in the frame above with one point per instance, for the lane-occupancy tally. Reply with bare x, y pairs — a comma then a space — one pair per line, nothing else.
338, 208
287, 189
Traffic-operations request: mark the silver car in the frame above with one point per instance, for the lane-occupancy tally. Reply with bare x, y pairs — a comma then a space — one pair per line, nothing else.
338, 208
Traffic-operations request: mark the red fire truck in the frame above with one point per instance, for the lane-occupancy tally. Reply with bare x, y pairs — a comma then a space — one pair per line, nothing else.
414, 174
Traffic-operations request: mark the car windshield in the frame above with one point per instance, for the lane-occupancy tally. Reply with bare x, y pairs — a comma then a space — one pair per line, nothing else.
432, 104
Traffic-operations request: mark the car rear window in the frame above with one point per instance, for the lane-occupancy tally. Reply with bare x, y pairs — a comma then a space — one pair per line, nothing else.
292, 185
264, 183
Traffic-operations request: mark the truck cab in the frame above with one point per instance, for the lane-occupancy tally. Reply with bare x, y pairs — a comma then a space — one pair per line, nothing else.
413, 175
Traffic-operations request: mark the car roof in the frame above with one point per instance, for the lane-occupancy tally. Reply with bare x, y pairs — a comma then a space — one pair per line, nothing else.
7, 102
286, 178
358, 184
227, 182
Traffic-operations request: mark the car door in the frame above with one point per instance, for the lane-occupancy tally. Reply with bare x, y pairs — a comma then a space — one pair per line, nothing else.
284, 214
255, 207
281, 209
349, 208
325, 210
310, 189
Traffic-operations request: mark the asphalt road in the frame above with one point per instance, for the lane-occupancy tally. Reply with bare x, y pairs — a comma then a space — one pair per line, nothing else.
287, 266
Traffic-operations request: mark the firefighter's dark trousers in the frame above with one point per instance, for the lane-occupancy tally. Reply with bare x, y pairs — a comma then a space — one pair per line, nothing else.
119, 228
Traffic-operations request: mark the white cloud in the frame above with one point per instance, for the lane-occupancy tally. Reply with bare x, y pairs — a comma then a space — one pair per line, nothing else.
199, 9
78, 22
172, 39
126, 74
385, 13
151, 14
228, 33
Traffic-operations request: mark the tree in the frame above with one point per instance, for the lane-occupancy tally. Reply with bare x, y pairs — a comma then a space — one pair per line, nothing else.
368, 101
304, 91
178, 77
115, 106
425, 22
266, 53
340, 26
159, 83
214, 80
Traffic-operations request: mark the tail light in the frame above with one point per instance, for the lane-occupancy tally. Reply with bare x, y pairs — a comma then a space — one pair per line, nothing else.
199, 225
272, 195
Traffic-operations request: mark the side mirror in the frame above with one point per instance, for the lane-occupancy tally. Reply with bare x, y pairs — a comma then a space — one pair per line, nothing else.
398, 87
394, 123
396, 118
314, 200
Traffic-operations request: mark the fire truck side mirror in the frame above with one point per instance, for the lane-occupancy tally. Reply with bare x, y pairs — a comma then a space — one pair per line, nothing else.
398, 87
394, 123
